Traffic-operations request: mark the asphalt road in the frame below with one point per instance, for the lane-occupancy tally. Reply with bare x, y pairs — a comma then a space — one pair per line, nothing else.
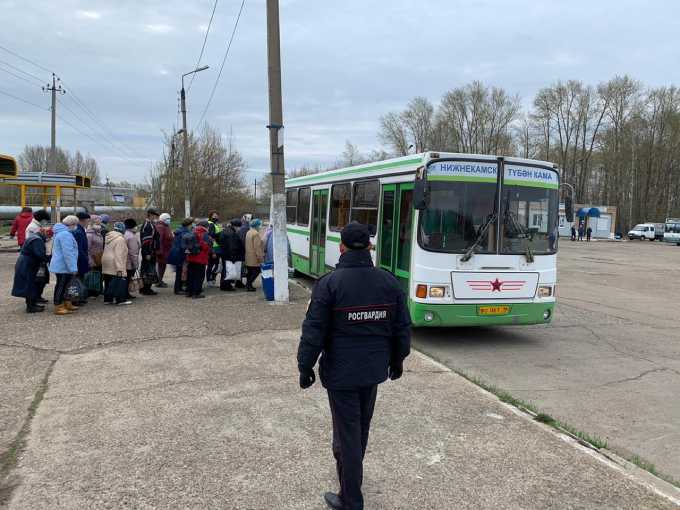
609, 364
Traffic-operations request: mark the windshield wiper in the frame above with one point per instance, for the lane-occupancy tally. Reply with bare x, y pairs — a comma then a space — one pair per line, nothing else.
482, 231
521, 232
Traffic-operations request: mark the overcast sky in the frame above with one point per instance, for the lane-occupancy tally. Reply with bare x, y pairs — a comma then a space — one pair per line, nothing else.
344, 65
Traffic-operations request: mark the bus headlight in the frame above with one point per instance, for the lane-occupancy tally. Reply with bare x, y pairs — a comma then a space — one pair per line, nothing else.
544, 291
437, 292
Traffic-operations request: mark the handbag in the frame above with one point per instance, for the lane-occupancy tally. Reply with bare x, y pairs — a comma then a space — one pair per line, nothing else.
117, 288
75, 290
232, 270
42, 275
136, 283
93, 282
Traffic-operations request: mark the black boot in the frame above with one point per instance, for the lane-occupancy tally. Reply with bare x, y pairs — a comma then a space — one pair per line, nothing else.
34, 309
333, 501
41, 301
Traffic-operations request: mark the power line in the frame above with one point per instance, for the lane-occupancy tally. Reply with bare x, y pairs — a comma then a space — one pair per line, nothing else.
205, 40
26, 59
18, 77
226, 54
36, 78
105, 129
23, 100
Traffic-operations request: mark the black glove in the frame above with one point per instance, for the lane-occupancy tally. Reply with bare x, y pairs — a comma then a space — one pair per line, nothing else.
396, 370
307, 379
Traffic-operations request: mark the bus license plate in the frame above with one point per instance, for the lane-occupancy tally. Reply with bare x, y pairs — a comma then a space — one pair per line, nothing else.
494, 310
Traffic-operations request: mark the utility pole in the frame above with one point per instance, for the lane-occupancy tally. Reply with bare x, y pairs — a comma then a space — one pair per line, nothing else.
278, 202
185, 147
54, 89
185, 156
255, 194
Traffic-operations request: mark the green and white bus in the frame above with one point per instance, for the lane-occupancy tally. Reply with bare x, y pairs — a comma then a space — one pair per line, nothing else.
471, 238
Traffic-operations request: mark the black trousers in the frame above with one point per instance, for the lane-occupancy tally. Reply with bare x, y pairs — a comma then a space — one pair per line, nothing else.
179, 284
251, 275
352, 411
195, 275
213, 267
60, 288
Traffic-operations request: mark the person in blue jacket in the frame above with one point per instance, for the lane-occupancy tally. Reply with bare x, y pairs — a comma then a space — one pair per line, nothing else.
64, 263
81, 239
177, 256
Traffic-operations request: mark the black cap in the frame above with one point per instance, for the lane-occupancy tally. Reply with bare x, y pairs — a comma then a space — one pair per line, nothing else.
153, 211
130, 223
82, 215
356, 236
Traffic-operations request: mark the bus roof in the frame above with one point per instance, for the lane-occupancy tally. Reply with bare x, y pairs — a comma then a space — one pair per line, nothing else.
402, 165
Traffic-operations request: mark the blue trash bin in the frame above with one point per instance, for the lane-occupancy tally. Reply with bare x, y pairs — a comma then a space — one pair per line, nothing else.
268, 281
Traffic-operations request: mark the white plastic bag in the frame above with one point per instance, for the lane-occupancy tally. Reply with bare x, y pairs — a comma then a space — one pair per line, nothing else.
233, 270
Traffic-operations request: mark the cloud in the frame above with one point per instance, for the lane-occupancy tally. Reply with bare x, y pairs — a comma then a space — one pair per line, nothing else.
80, 14
159, 28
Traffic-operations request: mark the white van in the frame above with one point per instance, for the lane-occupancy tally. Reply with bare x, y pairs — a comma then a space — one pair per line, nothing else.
672, 233
651, 231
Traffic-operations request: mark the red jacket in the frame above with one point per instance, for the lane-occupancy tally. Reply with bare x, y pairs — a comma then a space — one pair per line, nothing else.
166, 238
201, 234
19, 226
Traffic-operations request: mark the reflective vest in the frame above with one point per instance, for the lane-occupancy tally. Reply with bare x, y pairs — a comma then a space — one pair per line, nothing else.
218, 229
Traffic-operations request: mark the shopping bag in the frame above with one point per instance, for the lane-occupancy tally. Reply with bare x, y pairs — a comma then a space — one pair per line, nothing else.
136, 283
117, 288
42, 275
75, 291
232, 270
93, 282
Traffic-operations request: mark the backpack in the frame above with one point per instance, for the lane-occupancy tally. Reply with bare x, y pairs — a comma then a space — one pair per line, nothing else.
191, 244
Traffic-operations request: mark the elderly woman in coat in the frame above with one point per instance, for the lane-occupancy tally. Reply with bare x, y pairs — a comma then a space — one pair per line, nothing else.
64, 263
254, 253
28, 284
114, 265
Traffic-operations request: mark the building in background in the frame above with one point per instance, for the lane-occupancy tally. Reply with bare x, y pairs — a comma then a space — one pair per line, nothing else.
601, 218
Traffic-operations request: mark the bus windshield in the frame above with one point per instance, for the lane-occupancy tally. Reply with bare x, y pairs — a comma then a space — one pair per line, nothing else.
463, 214
457, 213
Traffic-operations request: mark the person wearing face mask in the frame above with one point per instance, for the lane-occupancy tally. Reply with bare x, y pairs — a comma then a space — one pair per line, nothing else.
40, 219
27, 284
165, 236
150, 240
40, 225
64, 262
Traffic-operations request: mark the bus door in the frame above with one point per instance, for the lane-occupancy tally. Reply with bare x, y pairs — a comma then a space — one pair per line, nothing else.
396, 231
317, 244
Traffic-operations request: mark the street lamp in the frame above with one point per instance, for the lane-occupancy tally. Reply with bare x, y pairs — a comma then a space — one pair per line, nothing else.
185, 150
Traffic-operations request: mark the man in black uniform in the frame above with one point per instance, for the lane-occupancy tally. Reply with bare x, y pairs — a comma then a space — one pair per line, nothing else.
359, 323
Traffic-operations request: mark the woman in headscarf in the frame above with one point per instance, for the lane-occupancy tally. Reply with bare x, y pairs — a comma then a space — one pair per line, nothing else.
164, 246
114, 264
28, 284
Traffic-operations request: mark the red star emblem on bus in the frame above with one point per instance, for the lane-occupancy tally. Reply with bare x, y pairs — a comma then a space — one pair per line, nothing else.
496, 285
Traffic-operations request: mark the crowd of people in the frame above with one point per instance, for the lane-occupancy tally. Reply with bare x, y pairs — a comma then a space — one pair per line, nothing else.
91, 255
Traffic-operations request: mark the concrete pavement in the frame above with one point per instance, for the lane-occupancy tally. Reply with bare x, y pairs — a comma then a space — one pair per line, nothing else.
174, 403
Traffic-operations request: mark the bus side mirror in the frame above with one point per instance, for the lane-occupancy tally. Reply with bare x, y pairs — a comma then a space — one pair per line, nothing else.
420, 195
568, 209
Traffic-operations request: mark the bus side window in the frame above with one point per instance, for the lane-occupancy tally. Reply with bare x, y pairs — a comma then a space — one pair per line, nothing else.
365, 204
291, 205
340, 206
303, 207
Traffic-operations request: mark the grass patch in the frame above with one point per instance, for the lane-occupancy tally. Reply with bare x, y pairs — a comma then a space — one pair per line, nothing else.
560, 425
651, 468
